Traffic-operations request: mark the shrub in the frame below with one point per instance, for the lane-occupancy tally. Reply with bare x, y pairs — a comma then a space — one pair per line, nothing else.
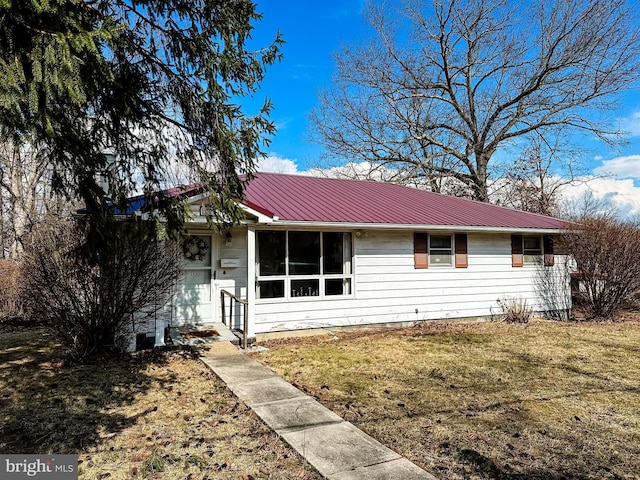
515, 310
605, 251
94, 299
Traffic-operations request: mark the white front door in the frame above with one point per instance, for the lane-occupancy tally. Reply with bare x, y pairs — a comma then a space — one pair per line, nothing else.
196, 299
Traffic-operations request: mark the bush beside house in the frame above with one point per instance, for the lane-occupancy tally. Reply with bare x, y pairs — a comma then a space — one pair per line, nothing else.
607, 272
96, 303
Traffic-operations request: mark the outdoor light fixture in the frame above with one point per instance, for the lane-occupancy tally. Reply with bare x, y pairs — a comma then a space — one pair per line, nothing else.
228, 239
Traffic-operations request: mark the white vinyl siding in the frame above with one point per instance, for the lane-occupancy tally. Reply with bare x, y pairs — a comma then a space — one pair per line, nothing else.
384, 285
388, 289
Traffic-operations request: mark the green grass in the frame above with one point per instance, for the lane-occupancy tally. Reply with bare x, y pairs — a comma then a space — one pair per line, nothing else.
543, 400
160, 415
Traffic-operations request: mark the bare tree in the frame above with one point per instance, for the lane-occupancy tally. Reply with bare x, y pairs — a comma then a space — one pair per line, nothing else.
22, 191
10, 304
534, 181
94, 304
605, 251
442, 87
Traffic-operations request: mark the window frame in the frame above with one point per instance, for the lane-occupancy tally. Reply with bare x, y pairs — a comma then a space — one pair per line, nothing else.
542, 255
451, 250
532, 256
321, 278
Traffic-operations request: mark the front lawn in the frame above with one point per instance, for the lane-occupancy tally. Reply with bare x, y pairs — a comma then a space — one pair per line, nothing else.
491, 400
160, 415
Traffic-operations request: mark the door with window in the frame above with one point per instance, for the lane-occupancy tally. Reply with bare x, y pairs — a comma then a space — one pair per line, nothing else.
195, 300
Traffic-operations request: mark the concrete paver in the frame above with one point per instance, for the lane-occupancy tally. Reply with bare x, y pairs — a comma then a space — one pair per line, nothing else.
336, 448
266, 390
399, 469
295, 414
237, 369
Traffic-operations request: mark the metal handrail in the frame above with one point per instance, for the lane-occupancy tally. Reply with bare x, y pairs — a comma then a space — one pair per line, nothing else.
246, 313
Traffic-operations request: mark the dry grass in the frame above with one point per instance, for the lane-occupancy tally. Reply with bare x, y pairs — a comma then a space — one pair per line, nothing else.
543, 400
147, 415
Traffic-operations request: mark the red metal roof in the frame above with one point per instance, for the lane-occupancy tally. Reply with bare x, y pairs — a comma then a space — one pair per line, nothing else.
329, 200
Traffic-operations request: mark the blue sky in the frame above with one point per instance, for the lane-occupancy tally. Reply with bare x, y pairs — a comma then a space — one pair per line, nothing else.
314, 31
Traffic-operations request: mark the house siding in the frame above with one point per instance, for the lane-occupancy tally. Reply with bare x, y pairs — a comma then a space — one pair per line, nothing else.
387, 287
233, 280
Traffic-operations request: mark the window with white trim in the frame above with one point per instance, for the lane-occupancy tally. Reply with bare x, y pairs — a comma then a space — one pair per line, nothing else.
294, 264
440, 250
532, 250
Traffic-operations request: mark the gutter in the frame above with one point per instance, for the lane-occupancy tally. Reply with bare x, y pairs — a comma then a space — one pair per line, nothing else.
415, 227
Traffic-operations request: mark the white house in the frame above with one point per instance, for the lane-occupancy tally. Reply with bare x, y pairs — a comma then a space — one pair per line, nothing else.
321, 252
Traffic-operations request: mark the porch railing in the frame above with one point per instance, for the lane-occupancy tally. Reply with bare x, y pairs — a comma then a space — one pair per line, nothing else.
232, 299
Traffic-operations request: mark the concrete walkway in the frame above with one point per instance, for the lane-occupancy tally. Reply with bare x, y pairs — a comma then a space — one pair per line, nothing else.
336, 448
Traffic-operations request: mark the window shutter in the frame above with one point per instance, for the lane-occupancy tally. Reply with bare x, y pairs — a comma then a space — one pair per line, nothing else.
462, 260
420, 250
517, 256
549, 257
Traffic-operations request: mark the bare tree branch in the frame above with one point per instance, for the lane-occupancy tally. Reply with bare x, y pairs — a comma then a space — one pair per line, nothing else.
443, 85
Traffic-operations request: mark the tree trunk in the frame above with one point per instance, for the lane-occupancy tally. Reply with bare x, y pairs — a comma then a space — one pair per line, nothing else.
481, 190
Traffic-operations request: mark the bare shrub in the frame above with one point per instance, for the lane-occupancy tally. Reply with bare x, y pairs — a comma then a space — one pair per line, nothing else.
515, 310
93, 302
605, 251
10, 305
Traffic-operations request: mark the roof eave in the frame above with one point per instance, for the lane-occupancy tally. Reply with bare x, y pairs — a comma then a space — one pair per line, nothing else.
417, 227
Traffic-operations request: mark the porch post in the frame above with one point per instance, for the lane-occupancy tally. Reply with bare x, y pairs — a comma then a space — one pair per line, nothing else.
251, 280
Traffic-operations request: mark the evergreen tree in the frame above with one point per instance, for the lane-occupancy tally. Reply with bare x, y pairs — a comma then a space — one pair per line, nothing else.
123, 88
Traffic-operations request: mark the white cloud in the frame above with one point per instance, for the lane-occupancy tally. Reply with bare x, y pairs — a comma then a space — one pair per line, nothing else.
275, 164
631, 124
621, 167
621, 194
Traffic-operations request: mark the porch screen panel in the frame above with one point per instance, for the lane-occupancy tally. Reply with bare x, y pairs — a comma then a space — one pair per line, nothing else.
336, 252
304, 253
336, 261
271, 259
271, 253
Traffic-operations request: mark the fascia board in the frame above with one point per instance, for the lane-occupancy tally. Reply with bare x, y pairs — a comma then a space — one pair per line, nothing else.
415, 227
260, 217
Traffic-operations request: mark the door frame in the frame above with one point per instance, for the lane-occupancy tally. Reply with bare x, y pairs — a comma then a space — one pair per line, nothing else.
212, 314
